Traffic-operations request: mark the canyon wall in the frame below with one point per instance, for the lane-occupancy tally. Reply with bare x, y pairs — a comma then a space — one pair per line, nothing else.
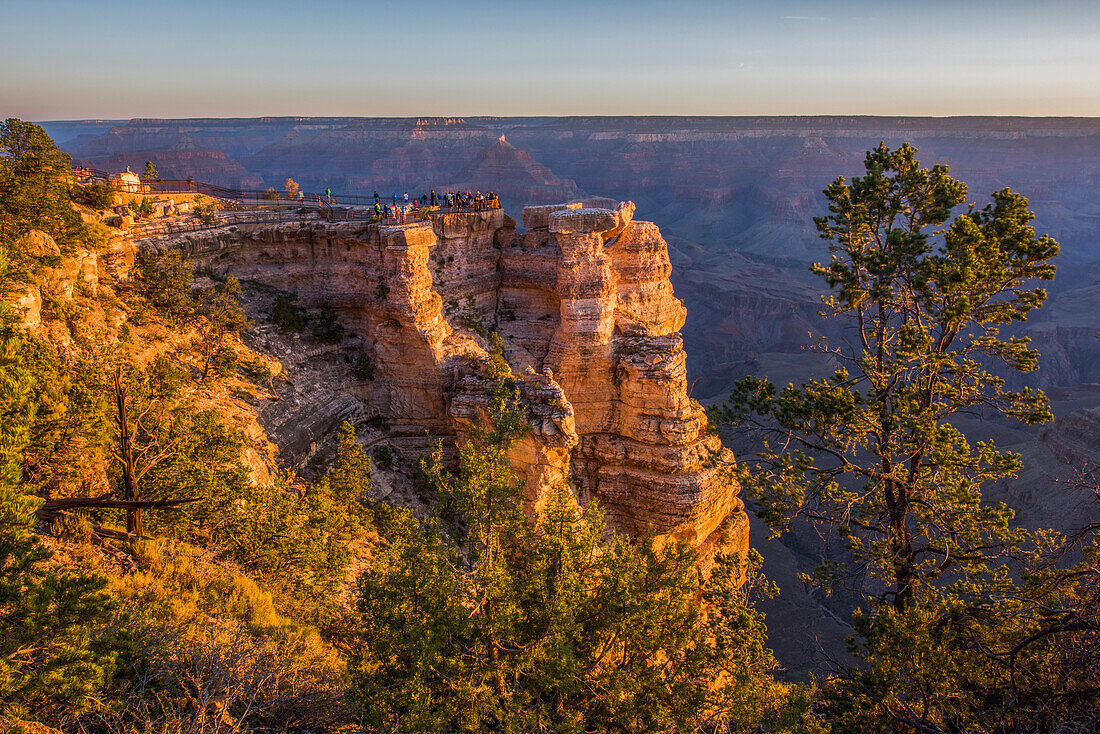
590, 328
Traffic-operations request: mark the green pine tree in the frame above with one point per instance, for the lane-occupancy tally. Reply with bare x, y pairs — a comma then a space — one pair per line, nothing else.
479, 618
34, 186
52, 658
223, 317
870, 455
150, 174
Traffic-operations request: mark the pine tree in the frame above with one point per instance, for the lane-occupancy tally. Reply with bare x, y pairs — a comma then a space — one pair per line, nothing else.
479, 618
869, 454
874, 456
223, 317
34, 185
150, 174
50, 660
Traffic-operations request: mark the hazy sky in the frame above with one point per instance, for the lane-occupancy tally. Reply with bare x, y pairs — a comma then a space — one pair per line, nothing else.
67, 59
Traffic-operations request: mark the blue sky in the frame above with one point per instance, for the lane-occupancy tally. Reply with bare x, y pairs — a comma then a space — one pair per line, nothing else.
62, 59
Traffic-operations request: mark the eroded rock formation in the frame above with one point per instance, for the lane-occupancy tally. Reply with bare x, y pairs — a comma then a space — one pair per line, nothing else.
591, 332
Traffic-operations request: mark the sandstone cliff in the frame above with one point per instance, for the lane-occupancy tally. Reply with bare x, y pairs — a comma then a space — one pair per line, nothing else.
591, 331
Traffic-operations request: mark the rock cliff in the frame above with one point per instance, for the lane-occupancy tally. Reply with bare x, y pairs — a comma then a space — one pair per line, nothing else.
591, 332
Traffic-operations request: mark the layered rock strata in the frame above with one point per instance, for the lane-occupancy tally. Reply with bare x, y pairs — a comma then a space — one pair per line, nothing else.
591, 332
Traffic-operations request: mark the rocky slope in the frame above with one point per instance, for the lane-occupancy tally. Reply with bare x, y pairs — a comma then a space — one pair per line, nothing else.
591, 331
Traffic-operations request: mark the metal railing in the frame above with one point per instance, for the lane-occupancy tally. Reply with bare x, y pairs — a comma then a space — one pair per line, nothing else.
266, 197
335, 207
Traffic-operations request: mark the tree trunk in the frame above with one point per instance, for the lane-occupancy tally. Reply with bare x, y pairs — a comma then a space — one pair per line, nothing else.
126, 452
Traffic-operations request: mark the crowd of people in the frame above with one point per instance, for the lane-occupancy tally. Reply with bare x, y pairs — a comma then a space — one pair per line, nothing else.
400, 208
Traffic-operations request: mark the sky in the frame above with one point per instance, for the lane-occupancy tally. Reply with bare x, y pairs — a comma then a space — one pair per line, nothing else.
115, 59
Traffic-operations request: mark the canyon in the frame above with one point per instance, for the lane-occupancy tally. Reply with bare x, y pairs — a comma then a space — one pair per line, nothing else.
588, 325
734, 198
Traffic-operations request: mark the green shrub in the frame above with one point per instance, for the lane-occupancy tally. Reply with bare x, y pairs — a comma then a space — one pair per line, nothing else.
287, 315
384, 457
146, 208
74, 527
363, 368
204, 209
256, 370
97, 195
164, 282
327, 329
225, 362
97, 235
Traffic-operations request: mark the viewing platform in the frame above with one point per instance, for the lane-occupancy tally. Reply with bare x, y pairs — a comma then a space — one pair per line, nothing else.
297, 204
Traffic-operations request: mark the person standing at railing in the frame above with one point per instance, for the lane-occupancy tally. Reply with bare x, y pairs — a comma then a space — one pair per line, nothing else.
432, 198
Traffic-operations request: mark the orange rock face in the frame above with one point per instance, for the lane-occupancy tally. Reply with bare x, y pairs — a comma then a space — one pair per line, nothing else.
583, 303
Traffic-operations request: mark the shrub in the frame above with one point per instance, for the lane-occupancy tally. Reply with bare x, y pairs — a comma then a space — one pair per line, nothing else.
363, 367
97, 235
74, 527
225, 362
204, 209
327, 329
256, 370
286, 314
98, 195
146, 208
384, 457
164, 281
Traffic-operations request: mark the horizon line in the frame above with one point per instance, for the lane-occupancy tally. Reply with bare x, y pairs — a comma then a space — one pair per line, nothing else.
574, 116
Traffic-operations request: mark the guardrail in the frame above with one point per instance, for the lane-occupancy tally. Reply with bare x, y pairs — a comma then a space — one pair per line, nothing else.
336, 207
268, 197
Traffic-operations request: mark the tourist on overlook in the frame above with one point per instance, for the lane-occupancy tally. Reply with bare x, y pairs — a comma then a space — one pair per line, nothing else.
432, 199
406, 197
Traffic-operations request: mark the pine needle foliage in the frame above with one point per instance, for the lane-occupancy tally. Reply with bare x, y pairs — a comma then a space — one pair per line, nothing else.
947, 585
51, 662
869, 452
494, 619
